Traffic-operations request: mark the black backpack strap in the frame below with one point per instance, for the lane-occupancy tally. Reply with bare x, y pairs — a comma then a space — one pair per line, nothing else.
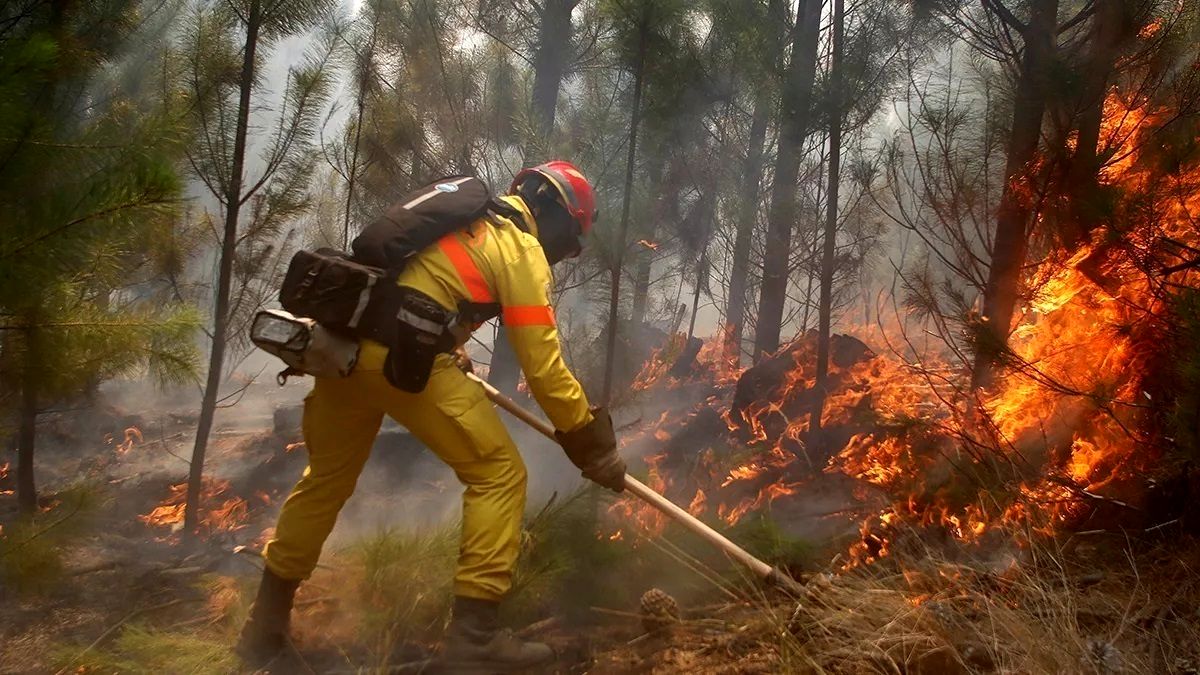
476, 313
501, 208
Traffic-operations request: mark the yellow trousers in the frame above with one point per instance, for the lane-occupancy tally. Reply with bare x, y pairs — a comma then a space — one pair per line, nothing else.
455, 420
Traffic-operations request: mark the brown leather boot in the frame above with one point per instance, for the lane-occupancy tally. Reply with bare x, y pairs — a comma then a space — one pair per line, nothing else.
476, 644
265, 632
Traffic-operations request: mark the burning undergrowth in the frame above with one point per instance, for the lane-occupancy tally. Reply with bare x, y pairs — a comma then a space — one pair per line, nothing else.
222, 511
1066, 438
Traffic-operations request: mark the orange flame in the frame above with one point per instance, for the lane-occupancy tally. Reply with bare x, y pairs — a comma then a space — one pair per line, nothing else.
229, 515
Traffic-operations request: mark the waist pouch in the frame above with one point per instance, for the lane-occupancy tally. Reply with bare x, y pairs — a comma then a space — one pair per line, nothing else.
424, 330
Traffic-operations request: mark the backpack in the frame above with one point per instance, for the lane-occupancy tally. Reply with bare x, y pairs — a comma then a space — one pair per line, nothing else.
355, 294
421, 218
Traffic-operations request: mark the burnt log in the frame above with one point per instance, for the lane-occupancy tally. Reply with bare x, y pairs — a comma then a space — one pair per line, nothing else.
786, 379
685, 364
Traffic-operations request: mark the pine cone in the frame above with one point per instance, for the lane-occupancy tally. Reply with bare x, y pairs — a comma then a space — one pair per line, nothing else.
1185, 666
659, 610
1103, 657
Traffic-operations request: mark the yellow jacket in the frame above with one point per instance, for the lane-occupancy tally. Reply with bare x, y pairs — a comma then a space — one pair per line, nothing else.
495, 261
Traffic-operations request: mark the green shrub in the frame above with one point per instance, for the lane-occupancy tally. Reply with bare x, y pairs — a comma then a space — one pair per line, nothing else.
31, 549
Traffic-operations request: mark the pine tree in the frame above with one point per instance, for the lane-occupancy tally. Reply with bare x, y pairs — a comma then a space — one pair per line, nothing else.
223, 45
1015, 212
795, 123
89, 197
757, 52
640, 26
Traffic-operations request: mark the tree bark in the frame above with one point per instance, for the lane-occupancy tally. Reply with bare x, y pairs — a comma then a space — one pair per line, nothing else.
739, 272
641, 286
645, 258
794, 122
701, 264
825, 302
27, 497
614, 298
1082, 184
208, 405
747, 218
549, 67
1015, 211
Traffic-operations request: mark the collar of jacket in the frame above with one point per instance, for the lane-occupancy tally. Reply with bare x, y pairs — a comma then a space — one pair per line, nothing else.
529, 225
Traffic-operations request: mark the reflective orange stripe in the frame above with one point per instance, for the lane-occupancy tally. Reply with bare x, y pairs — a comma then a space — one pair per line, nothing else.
529, 315
468, 271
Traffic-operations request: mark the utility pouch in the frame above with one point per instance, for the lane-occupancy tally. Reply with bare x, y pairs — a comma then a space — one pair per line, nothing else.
340, 294
303, 344
424, 329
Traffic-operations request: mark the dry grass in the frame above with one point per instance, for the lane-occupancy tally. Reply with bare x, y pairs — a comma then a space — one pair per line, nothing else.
1097, 609
1090, 605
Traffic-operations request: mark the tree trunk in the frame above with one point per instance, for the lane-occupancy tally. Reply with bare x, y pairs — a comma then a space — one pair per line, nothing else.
739, 273
208, 405
549, 66
645, 257
825, 303
794, 122
505, 371
700, 264
747, 218
1016, 208
1106, 37
641, 286
614, 298
27, 422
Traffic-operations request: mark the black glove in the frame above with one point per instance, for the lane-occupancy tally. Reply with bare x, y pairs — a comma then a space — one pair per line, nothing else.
593, 448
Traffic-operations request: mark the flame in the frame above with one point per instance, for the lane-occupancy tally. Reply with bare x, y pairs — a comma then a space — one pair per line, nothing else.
4, 470
229, 515
293, 446
133, 436
1056, 431
648, 244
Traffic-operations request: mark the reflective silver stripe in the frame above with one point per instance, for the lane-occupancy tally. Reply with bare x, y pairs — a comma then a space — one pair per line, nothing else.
420, 323
363, 298
434, 191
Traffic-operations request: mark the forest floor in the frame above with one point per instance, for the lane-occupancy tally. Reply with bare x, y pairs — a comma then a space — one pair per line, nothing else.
90, 587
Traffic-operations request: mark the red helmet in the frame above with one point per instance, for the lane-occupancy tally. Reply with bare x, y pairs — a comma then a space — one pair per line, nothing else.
574, 191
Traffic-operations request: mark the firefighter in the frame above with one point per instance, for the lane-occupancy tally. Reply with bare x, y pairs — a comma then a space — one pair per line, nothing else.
503, 260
